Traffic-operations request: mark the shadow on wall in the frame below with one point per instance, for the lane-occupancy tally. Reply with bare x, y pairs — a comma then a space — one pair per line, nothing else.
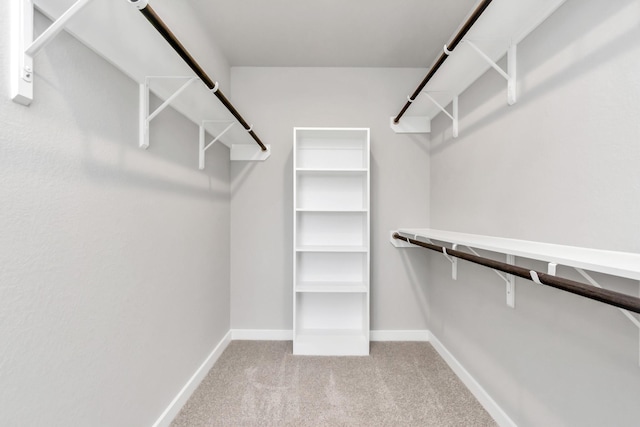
559, 42
409, 258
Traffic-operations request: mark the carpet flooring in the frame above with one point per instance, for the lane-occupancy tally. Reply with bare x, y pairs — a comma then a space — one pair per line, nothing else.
261, 383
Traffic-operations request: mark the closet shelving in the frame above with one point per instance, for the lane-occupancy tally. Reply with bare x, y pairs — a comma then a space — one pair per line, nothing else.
331, 241
497, 32
621, 264
582, 260
116, 31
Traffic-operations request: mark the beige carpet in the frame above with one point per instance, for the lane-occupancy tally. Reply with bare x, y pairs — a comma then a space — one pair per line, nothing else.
260, 383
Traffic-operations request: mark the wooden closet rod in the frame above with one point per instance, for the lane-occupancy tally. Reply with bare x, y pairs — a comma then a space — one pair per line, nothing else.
617, 299
162, 28
444, 55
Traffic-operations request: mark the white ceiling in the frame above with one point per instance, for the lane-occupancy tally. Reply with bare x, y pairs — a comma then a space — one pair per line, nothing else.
332, 33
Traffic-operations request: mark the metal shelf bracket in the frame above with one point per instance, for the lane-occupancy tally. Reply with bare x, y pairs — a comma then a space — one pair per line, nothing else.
145, 117
454, 112
509, 279
509, 75
202, 147
452, 260
24, 48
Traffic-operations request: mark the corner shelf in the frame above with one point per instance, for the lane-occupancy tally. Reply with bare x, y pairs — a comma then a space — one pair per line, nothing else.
331, 241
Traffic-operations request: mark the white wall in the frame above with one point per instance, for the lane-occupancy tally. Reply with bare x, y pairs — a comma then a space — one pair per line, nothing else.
276, 100
560, 166
114, 265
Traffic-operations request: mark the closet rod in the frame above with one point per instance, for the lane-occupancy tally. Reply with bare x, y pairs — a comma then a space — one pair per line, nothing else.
162, 28
606, 296
444, 55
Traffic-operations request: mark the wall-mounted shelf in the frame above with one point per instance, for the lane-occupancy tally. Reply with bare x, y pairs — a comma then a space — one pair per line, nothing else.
496, 33
121, 35
621, 264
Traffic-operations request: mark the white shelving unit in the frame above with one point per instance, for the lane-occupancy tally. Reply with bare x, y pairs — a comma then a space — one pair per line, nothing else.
331, 241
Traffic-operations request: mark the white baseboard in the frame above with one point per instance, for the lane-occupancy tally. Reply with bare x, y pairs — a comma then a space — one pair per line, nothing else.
400, 335
262, 334
178, 402
287, 335
474, 387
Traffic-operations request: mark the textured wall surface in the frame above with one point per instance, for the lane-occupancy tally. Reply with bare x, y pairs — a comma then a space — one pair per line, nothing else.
262, 195
560, 166
114, 265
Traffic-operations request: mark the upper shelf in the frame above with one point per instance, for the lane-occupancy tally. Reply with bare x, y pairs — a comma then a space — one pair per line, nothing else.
621, 264
503, 23
120, 34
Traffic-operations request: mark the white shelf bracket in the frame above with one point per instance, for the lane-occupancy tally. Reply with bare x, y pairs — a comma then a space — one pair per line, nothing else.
509, 279
145, 117
453, 115
24, 48
510, 75
626, 313
452, 260
202, 147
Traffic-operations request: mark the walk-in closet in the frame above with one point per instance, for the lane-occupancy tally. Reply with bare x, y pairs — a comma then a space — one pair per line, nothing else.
319, 213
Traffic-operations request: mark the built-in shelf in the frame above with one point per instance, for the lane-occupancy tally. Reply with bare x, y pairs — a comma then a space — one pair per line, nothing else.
621, 264
331, 170
332, 210
332, 287
329, 342
332, 249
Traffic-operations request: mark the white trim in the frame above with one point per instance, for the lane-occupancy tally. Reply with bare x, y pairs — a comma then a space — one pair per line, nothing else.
178, 402
262, 334
474, 387
287, 335
400, 335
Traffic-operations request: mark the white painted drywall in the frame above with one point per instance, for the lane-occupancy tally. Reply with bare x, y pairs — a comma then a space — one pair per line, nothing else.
560, 166
277, 99
114, 264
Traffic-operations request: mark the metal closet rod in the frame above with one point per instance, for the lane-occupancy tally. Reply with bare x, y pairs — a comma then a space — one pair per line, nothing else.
444, 55
162, 28
606, 296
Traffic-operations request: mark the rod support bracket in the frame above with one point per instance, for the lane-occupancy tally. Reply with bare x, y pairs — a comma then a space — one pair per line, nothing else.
139, 4
511, 283
399, 243
452, 260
